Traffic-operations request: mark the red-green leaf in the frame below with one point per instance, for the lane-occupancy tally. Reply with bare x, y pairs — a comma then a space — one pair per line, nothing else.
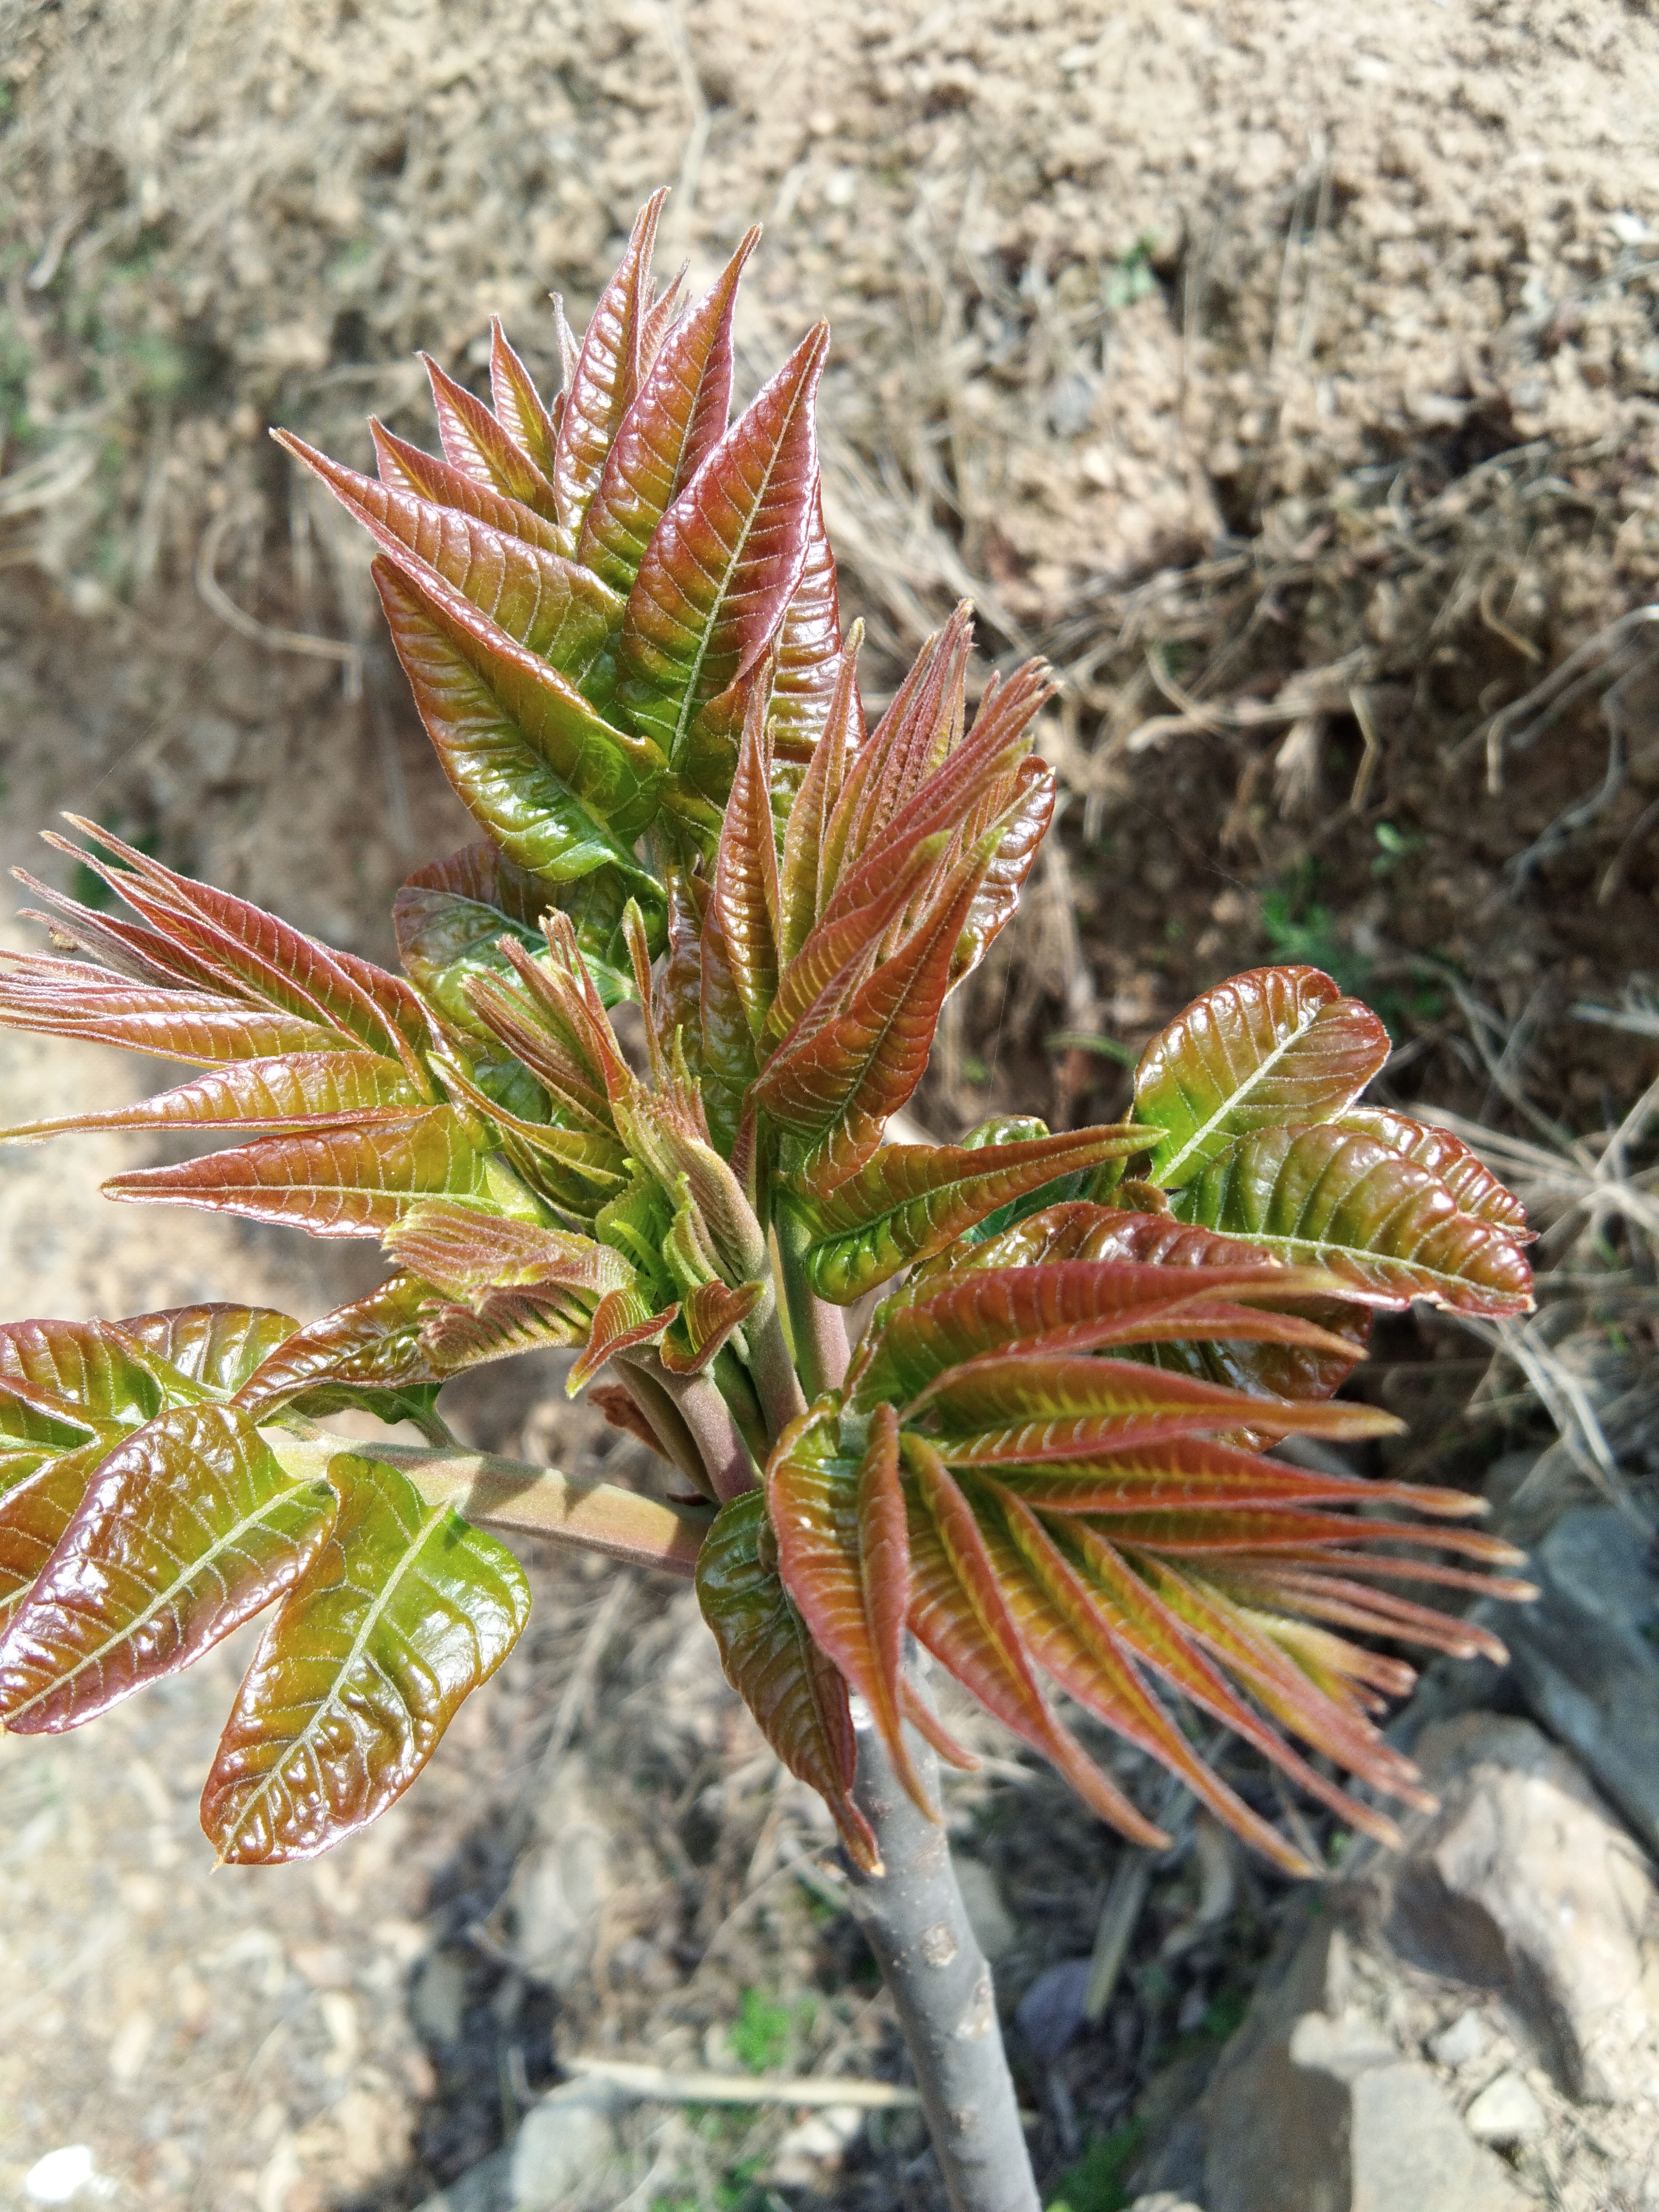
1062, 1626
959, 1610
844, 1558
544, 603
336, 1088
724, 559
474, 443
462, 1252
809, 648
517, 405
622, 1321
837, 1084
405, 468
402, 1610
946, 1320
261, 957
1337, 1198
1026, 819
1450, 1162
1038, 1406
1277, 1045
217, 1346
794, 1692
605, 377
350, 1183
678, 417
189, 1528
367, 1353
68, 998
803, 849
911, 1201
492, 706
746, 877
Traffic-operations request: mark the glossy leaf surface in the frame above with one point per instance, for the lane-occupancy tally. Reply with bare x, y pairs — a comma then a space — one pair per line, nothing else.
190, 1527
913, 1199
403, 1609
1337, 1198
1277, 1045
792, 1688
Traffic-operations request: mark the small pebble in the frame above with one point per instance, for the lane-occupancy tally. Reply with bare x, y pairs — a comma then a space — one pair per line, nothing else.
1466, 2038
1505, 2112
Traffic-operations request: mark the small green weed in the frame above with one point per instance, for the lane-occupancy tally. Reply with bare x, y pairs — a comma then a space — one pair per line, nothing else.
1096, 2182
759, 2036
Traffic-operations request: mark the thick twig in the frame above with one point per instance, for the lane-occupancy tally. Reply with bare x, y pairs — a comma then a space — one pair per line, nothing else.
507, 1493
715, 1430
817, 1328
916, 1925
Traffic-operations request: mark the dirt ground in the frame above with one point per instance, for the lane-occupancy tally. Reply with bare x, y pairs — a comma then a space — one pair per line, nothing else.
1289, 375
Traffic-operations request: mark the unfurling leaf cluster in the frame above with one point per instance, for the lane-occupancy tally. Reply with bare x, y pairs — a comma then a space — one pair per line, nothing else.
630, 1097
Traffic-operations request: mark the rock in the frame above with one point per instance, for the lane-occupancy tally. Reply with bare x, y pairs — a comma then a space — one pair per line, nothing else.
987, 1915
1162, 2200
548, 1919
1050, 2013
1465, 2040
567, 2147
1315, 2109
564, 2155
1585, 1659
810, 2153
1505, 2112
1524, 1884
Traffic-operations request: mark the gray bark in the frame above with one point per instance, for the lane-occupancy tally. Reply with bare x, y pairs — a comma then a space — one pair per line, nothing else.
916, 1923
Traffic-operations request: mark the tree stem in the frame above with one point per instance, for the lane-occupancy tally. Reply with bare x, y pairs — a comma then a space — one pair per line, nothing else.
916, 1925
818, 1330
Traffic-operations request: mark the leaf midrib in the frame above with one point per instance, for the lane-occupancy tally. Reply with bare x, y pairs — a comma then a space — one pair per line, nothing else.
1203, 1130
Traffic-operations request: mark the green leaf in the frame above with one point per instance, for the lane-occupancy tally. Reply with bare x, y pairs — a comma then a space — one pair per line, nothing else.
724, 559
491, 705
189, 1528
349, 1182
1336, 1198
1276, 1046
402, 1610
911, 1201
792, 1688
